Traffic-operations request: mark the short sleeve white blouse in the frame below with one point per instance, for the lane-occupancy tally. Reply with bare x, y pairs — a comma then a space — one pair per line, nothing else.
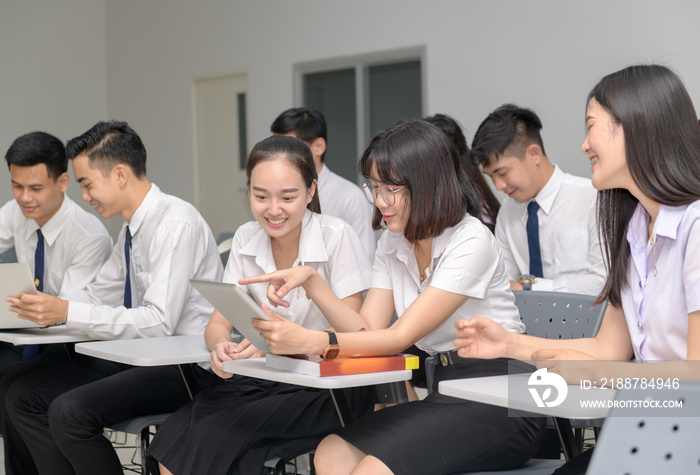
466, 261
663, 281
328, 244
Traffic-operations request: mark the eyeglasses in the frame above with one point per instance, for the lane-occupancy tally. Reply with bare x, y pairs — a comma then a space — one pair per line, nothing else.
387, 193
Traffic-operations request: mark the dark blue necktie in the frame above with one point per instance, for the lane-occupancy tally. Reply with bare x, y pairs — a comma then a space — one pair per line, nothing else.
127, 284
533, 239
29, 352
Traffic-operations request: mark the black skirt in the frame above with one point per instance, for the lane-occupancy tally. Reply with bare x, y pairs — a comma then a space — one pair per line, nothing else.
442, 435
236, 426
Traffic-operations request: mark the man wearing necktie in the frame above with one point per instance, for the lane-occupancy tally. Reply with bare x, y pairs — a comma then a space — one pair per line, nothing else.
546, 226
61, 242
29, 352
142, 291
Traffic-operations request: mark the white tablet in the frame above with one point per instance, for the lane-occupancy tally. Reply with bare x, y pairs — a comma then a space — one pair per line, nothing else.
237, 306
15, 278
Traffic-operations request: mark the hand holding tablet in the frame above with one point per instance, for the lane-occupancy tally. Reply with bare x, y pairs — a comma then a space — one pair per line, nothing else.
237, 306
15, 278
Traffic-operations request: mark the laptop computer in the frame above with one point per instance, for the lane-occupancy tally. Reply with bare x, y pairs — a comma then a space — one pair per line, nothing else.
237, 306
15, 278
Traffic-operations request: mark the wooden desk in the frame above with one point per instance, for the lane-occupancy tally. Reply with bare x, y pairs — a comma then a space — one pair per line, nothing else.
49, 335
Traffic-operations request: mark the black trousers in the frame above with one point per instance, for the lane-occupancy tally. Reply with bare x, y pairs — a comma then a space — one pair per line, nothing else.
61, 412
10, 358
18, 460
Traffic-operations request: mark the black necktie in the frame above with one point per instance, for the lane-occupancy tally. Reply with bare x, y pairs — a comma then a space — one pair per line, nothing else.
127, 283
533, 239
29, 352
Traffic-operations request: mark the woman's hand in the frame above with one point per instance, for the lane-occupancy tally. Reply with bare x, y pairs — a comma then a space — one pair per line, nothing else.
481, 338
227, 351
285, 337
574, 366
281, 282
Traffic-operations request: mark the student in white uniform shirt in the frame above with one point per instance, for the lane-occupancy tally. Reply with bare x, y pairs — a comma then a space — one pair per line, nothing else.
547, 224
61, 411
643, 144
435, 264
247, 421
339, 197
43, 220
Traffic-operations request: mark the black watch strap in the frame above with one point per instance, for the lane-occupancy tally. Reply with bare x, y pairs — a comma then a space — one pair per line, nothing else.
332, 339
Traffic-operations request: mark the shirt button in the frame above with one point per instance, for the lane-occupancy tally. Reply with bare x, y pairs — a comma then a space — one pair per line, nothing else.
639, 325
640, 284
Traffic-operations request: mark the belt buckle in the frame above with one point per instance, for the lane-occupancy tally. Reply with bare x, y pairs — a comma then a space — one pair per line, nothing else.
444, 359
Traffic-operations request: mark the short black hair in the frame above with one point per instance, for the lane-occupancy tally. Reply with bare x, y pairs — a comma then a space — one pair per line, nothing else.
508, 128
38, 147
109, 143
419, 156
306, 123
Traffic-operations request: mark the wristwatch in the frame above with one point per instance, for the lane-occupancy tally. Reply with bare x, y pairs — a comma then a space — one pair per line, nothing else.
332, 349
527, 280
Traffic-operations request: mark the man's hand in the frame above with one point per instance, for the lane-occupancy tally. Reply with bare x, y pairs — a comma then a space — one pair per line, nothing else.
42, 309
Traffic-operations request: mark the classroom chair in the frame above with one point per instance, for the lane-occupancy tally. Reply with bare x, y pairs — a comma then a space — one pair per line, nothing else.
8, 256
224, 248
644, 440
141, 427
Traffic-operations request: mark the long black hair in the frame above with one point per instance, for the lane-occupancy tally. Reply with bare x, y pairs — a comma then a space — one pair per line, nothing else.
662, 149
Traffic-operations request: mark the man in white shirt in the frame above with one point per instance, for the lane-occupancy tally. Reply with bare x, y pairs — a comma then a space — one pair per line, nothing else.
547, 224
339, 197
42, 222
143, 290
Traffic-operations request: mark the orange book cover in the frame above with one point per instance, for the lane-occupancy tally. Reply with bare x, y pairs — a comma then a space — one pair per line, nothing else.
315, 366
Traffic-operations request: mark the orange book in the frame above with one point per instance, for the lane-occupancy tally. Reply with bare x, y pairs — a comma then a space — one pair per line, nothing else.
315, 366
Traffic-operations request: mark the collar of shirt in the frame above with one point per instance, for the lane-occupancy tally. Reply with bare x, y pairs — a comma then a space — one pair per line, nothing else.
667, 221
142, 210
323, 174
53, 227
311, 248
545, 198
666, 225
404, 250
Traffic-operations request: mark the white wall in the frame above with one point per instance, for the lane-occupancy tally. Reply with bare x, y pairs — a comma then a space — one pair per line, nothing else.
544, 54
52, 71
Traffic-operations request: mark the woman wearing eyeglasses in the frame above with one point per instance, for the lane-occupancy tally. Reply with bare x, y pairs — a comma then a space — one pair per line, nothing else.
436, 263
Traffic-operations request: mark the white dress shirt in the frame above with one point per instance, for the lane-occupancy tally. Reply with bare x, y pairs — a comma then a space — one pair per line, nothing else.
345, 200
76, 244
663, 280
466, 261
171, 244
328, 244
572, 260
